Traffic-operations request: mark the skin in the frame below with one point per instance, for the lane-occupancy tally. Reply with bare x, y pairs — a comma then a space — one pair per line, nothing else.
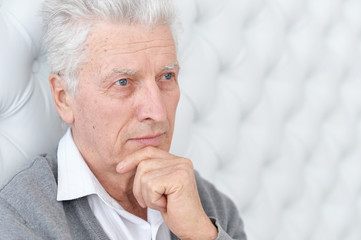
122, 117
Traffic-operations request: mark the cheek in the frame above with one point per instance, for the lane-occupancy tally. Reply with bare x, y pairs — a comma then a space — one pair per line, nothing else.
88, 107
85, 117
108, 117
172, 103
176, 98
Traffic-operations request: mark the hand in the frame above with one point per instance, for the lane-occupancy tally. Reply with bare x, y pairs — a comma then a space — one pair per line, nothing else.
166, 183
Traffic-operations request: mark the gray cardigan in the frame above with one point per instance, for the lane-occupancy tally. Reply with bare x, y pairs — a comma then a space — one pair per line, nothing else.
29, 209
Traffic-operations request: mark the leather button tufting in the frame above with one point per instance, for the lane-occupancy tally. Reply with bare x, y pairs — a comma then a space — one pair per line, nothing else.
269, 111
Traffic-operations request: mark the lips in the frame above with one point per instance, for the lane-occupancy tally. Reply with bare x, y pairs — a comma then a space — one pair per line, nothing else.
150, 140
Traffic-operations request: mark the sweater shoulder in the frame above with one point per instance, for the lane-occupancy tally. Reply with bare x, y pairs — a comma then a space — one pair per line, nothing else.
32, 185
210, 196
220, 207
32, 175
28, 205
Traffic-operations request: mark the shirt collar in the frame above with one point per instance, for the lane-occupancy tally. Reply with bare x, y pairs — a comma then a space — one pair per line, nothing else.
75, 179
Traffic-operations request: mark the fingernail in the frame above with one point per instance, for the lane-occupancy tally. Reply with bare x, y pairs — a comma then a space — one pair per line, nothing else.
120, 167
141, 204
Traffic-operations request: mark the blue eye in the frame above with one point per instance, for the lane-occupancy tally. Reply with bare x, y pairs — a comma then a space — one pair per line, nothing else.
168, 76
122, 82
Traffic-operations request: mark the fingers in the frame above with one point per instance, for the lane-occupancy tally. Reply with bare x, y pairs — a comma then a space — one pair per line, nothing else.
158, 178
150, 193
166, 183
132, 161
147, 188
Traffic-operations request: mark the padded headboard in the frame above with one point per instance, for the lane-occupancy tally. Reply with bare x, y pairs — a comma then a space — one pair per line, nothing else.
270, 108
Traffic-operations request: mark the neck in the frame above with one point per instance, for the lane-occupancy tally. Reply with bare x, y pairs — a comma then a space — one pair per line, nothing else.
120, 188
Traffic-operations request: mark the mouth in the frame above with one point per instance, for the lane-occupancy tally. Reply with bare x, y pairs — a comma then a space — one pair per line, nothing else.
148, 140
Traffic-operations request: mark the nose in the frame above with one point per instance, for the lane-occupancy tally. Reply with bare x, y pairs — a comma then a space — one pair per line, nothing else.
151, 104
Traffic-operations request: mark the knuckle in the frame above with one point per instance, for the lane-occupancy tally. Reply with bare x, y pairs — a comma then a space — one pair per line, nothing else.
190, 163
142, 166
183, 173
144, 179
187, 162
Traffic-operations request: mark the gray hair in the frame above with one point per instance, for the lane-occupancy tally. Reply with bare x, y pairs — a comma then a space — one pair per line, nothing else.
67, 24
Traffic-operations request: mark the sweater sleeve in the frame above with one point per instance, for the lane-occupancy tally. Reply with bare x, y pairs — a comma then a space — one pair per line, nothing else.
221, 210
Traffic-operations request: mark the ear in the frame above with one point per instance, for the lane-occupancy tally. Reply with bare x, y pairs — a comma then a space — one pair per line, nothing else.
62, 98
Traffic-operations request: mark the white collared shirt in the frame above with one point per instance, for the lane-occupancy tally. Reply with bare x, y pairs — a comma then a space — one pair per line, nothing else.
76, 180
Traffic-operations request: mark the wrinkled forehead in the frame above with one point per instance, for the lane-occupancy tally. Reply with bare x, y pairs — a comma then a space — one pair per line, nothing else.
111, 45
105, 36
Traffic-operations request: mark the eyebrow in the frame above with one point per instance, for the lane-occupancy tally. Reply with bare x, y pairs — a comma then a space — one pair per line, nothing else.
123, 71
115, 71
171, 66
131, 72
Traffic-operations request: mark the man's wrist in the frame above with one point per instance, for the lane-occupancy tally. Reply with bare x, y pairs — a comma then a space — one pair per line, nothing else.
208, 232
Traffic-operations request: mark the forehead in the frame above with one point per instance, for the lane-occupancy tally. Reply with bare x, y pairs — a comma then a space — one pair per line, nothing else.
112, 45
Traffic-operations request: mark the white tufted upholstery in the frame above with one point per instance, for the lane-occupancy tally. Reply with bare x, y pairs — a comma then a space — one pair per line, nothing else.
270, 108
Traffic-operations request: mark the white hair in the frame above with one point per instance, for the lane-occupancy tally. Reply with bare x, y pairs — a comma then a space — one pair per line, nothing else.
67, 24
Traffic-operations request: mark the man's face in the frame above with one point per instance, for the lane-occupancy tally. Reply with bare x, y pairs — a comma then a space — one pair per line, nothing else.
127, 94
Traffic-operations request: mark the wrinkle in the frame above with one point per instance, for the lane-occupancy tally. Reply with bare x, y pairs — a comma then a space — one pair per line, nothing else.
147, 48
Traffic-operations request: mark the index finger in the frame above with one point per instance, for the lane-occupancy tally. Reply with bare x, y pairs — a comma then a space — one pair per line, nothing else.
132, 161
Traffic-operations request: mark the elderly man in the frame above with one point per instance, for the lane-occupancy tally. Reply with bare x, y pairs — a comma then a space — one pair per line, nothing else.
114, 79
